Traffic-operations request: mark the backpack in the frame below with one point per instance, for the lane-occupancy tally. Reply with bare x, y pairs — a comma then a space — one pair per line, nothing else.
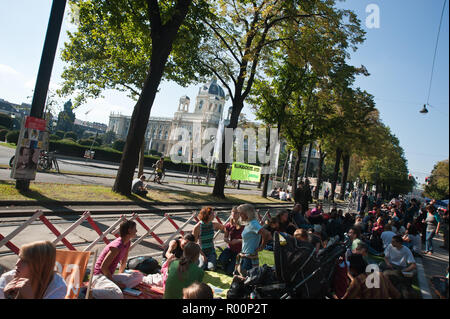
146, 265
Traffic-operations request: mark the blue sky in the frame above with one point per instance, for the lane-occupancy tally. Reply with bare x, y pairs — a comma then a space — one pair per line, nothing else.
398, 55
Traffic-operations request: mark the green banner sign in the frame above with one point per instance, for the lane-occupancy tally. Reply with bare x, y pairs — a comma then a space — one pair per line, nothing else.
245, 172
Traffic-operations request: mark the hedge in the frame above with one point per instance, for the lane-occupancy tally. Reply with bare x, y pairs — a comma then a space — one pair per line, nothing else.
12, 137
3, 133
69, 148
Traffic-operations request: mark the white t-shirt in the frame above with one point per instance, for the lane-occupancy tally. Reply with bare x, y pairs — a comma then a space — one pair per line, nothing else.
57, 289
386, 237
400, 257
283, 196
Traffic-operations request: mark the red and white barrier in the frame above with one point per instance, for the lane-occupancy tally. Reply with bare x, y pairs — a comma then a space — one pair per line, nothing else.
113, 230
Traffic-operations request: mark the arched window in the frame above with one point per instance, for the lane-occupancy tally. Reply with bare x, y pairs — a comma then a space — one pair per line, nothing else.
165, 135
200, 105
163, 148
180, 137
220, 108
156, 147
180, 151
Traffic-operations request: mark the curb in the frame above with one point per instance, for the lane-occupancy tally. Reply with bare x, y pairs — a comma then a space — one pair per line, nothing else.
423, 283
115, 203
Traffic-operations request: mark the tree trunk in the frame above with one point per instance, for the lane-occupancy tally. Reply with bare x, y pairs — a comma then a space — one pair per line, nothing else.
267, 176
219, 183
336, 173
162, 40
141, 160
265, 185
283, 174
296, 168
346, 164
319, 174
260, 181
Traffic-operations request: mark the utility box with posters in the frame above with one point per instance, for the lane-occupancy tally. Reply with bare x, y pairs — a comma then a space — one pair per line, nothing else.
32, 139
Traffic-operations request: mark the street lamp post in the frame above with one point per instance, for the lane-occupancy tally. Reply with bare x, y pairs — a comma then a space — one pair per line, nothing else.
45, 68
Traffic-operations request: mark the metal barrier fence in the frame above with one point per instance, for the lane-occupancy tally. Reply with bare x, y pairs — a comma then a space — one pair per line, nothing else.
113, 229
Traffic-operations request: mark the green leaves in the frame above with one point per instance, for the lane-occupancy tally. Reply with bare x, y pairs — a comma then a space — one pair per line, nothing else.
439, 182
112, 47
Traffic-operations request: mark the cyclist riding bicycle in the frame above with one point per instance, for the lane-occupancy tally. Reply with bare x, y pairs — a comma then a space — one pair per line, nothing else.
159, 170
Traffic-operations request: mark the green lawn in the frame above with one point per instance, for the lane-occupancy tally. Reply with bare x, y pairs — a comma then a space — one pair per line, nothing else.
48, 192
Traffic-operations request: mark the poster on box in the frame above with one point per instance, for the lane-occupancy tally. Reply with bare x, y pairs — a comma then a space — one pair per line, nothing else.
32, 138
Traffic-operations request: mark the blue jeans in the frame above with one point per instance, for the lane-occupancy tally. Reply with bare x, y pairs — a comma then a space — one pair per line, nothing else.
247, 263
228, 260
211, 261
429, 241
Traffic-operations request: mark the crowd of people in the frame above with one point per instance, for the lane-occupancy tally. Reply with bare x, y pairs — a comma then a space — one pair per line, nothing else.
396, 230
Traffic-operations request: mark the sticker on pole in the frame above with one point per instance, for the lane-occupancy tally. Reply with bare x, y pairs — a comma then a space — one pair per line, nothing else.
245, 172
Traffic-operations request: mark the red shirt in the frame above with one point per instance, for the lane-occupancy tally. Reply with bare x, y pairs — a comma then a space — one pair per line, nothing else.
234, 233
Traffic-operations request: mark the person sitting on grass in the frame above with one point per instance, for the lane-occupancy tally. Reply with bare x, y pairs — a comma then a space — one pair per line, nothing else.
285, 225
283, 195
359, 289
106, 284
198, 291
138, 187
378, 227
34, 276
387, 235
204, 235
172, 252
315, 237
176, 246
183, 272
272, 225
411, 239
398, 257
301, 234
233, 237
315, 216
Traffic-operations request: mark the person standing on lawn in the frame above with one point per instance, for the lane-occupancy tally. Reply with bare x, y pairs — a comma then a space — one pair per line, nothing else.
254, 239
204, 235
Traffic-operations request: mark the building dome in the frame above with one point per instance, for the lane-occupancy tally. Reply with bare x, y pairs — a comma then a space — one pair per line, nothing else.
212, 88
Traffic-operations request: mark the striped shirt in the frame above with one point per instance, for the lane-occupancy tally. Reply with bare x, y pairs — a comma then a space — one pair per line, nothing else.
207, 237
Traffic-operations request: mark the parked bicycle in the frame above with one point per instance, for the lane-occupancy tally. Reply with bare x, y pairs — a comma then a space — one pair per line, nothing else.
46, 161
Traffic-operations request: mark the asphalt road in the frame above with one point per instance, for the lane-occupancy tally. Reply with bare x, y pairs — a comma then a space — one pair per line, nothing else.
172, 181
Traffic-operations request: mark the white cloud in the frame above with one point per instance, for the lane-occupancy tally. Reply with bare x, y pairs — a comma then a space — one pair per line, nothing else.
14, 86
6, 70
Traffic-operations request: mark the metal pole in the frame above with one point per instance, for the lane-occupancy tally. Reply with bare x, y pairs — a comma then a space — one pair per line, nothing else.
45, 68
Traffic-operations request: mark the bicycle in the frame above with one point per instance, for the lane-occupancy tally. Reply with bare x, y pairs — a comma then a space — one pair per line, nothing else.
46, 161
156, 178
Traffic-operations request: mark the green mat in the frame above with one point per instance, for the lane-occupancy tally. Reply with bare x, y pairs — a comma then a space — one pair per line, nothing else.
220, 283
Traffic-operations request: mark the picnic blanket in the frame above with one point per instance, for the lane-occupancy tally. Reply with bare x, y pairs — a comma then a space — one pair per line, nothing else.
219, 282
147, 292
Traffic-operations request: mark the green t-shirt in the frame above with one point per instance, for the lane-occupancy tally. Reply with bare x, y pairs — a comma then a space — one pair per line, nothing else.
174, 286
